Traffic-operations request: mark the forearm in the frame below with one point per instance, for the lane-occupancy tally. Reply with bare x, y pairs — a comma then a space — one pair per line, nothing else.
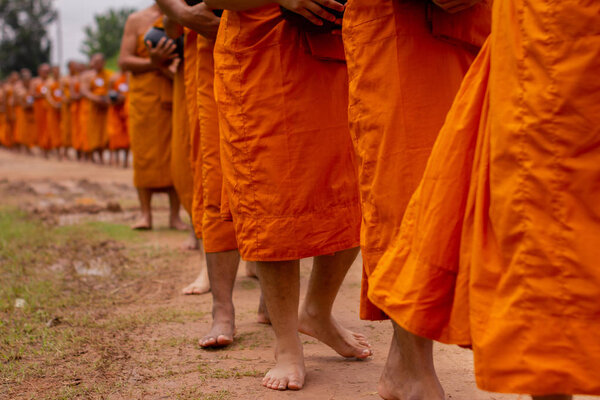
175, 10
173, 29
135, 64
237, 5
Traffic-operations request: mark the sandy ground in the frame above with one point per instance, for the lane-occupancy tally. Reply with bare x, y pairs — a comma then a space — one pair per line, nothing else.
163, 361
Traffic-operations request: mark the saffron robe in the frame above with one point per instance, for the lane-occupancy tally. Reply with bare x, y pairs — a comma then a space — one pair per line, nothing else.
118, 116
498, 249
287, 155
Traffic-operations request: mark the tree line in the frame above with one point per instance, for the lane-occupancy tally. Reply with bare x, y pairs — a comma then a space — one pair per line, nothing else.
25, 40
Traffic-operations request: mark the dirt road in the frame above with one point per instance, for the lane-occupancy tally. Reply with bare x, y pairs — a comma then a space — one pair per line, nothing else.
135, 336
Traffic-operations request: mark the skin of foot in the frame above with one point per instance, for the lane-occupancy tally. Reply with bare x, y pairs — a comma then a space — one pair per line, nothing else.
409, 372
289, 372
143, 223
328, 331
223, 328
200, 286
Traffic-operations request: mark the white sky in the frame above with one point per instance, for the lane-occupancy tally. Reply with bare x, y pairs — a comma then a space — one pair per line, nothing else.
75, 15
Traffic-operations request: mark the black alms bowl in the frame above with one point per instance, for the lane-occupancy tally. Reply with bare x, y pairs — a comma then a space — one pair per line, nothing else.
308, 26
154, 35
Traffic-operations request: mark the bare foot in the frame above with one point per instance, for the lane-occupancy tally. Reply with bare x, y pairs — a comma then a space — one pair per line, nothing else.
251, 269
142, 224
222, 330
409, 371
262, 316
345, 342
178, 225
191, 243
200, 286
289, 371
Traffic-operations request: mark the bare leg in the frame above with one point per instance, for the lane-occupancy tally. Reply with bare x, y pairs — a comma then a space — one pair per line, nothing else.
251, 269
316, 319
553, 397
126, 158
262, 316
409, 372
280, 282
145, 221
222, 270
175, 221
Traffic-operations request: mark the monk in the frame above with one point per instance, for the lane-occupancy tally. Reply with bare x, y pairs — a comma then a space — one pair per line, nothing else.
66, 124
26, 131
181, 165
11, 133
289, 172
507, 262
94, 89
54, 98
118, 130
77, 125
40, 90
415, 57
150, 105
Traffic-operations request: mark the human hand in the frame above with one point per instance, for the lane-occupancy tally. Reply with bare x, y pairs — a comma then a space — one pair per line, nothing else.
313, 9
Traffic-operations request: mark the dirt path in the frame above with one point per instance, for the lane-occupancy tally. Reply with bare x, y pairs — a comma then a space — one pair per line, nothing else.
156, 356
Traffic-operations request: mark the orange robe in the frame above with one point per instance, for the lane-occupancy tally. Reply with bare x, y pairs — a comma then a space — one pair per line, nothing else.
287, 155
25, 124
39, 109
393, 54
95, 116
118, 130
10, 117
65, 118
499, 245
3, 129
53, 116
218, 235
77, 120
181, 165
150, 106
191, 93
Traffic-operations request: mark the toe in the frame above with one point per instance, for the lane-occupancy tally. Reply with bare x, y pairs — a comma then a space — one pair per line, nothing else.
282, 384
223, 340
295, 383
208, 341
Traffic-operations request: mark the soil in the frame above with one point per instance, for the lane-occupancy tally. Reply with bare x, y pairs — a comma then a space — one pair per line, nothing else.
160, 358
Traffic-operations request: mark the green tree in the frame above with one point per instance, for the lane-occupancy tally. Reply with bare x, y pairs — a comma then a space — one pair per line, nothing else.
24, 41
104, 36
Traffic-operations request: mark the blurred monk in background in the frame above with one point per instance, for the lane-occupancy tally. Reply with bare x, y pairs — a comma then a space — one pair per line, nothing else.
39, 90
75, 108
150, 108
94, 89
25, 115
118, 119
66, 133
54, 98
12, 81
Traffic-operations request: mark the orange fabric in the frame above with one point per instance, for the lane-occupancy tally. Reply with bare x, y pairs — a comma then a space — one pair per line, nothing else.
53, 116
39, 109
25, 124
499, 245
286, 151
191, 94
65, 117
181, 165
150, 104
10, 117
393, 55
96, 116
118, 115
218, 235
3, 129
77, 121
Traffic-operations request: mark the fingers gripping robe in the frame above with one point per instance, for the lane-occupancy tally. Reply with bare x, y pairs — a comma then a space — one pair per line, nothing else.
313, 10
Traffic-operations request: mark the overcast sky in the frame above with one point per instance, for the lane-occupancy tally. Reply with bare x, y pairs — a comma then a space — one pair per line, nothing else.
76, 14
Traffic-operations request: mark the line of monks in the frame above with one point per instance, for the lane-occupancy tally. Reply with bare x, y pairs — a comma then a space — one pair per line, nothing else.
455, 142
87, 110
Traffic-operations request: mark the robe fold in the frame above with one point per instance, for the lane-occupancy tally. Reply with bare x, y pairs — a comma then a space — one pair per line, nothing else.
403, 78
287, 156
65, 118
499, 245
181, 164
218, 235
150, 107
78, 121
